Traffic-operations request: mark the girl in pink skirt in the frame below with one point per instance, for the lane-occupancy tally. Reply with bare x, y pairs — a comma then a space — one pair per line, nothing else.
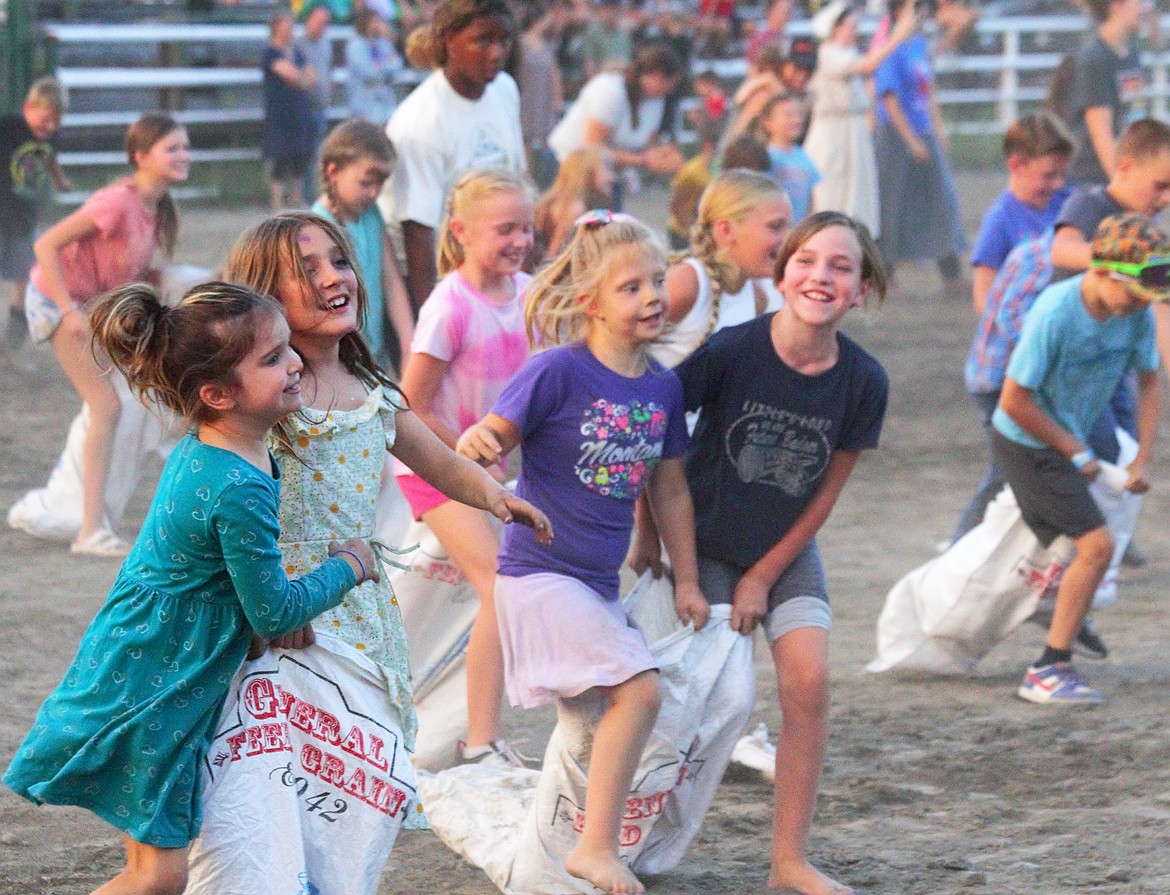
597, 421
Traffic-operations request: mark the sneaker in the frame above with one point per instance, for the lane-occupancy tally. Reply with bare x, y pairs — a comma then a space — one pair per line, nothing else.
496, 754
756, 752
1089, 643
1058, 683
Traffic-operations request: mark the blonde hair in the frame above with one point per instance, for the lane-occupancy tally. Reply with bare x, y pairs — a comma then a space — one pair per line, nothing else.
731, 196
553, 312
873, 270
471, 189
576, 182
169, 354
47, 93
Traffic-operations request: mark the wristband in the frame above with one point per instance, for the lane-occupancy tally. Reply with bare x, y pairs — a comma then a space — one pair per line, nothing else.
1083, 458
357, 559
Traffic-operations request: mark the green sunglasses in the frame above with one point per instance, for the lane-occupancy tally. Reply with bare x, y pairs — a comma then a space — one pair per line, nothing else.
1153, 273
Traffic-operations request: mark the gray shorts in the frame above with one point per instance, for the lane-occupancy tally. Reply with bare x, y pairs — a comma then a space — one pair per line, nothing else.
42, 314
1054, 498
798, 599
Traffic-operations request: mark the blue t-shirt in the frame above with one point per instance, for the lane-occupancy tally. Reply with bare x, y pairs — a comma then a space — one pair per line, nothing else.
906, 73
1009, 222
766, 433
589, 439
1072, 362
368, 234
797, 174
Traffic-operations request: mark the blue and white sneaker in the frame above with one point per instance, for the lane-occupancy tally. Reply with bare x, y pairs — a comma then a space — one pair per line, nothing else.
1057, 683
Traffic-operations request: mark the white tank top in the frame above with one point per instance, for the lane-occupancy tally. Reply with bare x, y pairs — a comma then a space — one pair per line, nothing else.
678, 340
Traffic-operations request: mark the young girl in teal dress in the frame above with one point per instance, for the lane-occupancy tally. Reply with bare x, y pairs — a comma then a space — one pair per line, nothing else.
125, 733
332, 454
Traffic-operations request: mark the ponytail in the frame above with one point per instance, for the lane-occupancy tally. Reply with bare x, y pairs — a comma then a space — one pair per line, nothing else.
130, 326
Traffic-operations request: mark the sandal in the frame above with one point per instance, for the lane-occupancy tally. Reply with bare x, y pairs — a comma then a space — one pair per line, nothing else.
102, 542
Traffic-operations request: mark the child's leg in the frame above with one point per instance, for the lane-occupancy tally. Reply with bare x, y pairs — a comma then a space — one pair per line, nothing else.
1080, 582
149, 871
618, 743
93, 384
802, 675
471, 542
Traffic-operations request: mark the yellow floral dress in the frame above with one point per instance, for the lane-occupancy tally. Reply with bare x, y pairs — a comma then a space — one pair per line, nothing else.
328, 493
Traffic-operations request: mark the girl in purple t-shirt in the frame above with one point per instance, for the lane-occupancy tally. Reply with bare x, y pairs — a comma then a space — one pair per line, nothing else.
468, 343
598, 421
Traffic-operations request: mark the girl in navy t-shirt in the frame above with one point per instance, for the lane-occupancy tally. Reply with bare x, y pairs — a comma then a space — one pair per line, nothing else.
598, 422
786, 405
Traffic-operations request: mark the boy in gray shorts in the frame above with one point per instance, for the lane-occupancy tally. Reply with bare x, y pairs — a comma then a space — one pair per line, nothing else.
1079, 339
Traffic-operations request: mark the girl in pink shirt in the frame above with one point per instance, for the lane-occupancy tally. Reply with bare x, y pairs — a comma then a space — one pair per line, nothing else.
108, 242
468, 342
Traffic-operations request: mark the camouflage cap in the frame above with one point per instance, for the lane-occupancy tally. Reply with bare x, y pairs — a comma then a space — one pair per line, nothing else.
1129, 239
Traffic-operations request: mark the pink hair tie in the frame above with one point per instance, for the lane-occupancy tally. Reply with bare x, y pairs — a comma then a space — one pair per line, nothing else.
599, 217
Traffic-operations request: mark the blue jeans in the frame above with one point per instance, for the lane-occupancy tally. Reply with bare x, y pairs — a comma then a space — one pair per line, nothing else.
993, 481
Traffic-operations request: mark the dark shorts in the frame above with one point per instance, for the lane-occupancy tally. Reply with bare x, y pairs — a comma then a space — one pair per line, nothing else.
289, 167
1054, 498
16, 250
798, 599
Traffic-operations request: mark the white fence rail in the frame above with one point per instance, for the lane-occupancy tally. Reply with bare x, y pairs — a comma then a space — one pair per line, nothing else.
993, 87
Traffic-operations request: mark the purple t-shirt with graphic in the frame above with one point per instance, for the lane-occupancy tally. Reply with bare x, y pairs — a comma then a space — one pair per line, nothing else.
589, 439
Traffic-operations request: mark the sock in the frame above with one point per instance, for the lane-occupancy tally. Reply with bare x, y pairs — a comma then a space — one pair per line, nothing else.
1052, 656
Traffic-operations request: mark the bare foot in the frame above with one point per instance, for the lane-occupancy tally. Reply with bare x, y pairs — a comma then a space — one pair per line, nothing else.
803, 878
604, 870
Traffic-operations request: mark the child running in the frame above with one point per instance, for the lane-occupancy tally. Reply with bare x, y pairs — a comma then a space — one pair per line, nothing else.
356, 159
598, 421
742, 219
108, 242
1079, 339
786, 405
332, 454
127, 731
469, 342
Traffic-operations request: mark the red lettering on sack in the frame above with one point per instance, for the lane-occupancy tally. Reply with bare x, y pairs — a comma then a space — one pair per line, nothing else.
234, 742
374, 752
301, 715
332, 770
386, 798
311, 758
276, 737
260, 698
630, 835
639, 807
328, 728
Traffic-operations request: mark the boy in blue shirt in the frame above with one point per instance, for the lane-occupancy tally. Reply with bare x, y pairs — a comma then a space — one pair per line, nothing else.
782, 120
1080, 338
1037, 150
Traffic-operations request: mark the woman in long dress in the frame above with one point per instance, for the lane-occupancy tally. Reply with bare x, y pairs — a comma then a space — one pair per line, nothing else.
839, 140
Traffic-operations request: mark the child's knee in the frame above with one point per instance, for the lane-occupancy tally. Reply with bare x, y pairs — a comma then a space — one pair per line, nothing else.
1096, 548
805, 692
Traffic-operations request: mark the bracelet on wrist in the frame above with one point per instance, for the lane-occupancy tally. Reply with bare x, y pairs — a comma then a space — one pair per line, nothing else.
357, 559
1081, 459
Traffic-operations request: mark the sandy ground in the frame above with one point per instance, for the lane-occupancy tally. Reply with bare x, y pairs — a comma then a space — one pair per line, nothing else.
931, 786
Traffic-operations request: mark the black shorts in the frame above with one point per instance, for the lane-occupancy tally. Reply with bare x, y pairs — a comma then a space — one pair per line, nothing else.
1053, 496
288, 167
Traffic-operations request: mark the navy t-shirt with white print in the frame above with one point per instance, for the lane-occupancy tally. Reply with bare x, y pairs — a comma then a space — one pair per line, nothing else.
766, 432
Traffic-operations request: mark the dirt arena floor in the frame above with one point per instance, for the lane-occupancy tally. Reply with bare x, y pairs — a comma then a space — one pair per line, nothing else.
932, 785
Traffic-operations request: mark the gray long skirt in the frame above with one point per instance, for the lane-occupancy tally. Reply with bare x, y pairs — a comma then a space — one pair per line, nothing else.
919, 205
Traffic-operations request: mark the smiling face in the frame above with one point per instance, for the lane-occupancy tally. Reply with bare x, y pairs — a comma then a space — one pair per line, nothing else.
784, 121
753, 241
324, 309
357, 185
266, 384
628, 309
169, 159
822, 279
497, 234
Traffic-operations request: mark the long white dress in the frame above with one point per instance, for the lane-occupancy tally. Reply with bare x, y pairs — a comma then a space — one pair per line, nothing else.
839, 141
